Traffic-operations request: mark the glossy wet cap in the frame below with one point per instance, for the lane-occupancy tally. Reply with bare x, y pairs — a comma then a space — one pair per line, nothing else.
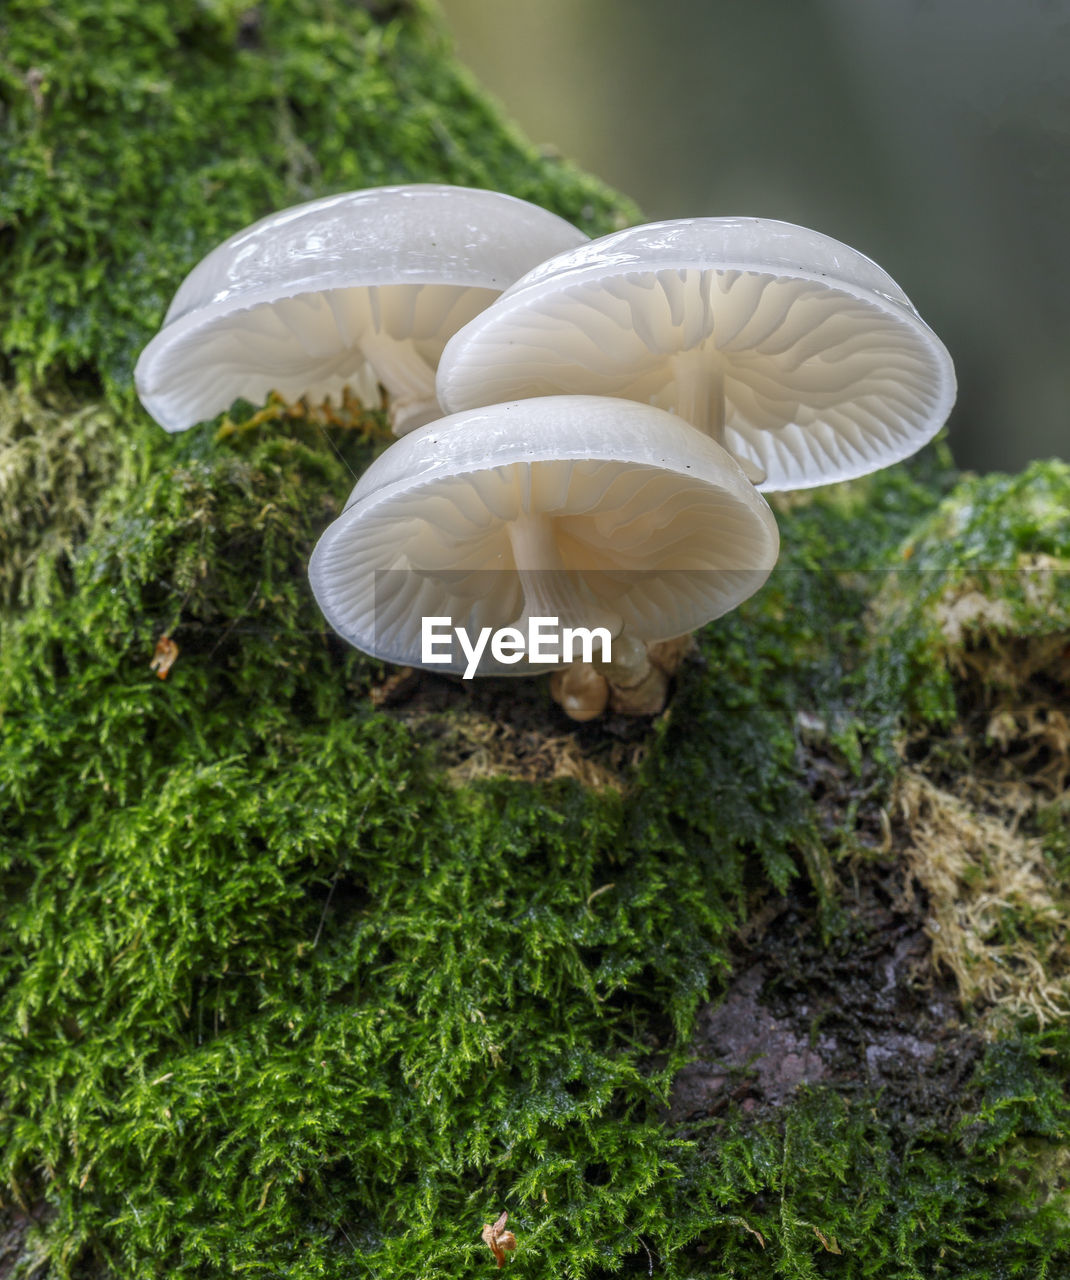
825, 367
290, 304
645, 518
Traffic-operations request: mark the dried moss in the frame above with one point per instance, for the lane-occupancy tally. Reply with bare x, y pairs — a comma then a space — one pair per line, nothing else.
290, 982
980, 620
998, 913
57, 456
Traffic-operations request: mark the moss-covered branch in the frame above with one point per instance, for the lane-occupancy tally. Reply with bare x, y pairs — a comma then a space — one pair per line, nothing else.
309, 971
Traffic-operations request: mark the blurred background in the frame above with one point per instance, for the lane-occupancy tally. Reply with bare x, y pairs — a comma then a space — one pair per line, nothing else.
932, 135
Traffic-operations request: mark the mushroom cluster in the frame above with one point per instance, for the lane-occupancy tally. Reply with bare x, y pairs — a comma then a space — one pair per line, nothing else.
585, 425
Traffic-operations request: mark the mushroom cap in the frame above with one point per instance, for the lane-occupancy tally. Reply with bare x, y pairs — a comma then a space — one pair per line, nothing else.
284, 304
828, 372
650, 518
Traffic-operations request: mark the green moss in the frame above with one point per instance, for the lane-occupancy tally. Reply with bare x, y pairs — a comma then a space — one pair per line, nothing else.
990, 522
834, 1189
138, 135
57, 456
989, 568
274, 997
258, 874
273, 991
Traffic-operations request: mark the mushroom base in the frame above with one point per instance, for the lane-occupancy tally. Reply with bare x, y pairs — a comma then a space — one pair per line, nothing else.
586, 690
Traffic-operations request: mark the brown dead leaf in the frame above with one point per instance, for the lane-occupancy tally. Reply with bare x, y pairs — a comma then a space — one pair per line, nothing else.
828, 1242
163, 658
742, 1222
497, 1239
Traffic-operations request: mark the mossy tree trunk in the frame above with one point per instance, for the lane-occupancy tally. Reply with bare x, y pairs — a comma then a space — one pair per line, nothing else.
308, 971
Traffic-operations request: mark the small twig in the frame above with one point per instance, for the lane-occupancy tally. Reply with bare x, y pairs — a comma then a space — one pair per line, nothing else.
649, 1256
177, 615
326, 906
334, 881
235, 620
602, 889
346, 1234
337, 452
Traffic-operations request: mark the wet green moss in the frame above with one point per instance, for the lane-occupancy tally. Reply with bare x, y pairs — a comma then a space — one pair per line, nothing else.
834, 1189
987, 571
242, 874
274, 996
275, 993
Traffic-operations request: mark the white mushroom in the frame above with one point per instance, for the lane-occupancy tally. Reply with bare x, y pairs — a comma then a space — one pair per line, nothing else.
594, 511
798, 354
355, 289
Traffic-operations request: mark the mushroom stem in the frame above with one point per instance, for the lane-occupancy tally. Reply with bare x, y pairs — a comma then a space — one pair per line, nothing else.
550, 589
700, 399
408, 379
700, 391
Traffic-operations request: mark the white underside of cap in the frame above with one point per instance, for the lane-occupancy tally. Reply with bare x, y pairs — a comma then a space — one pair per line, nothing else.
312, 344
649, 520
279, 306
823, 377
